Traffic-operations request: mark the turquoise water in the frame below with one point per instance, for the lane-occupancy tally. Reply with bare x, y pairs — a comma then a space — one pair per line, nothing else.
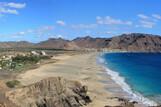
140, 72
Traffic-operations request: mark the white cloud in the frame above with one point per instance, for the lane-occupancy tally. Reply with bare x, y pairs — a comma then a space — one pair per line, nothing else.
56, 36
148, 21
146, 24
11, 7
61, 23
29, 31
59, 36
153, 17
106, 32
156, 16
142, 16
111, 21
83, 26
99, 20
41, 31
21, 33
16, 5
46, 28
8, 11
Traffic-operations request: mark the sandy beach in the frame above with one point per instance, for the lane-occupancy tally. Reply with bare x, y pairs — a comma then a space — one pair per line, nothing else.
83, 68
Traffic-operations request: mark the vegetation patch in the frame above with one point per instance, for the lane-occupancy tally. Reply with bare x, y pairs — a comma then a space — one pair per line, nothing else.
19, 62
13, 83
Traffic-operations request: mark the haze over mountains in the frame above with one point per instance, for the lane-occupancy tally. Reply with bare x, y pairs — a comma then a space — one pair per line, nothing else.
124, 42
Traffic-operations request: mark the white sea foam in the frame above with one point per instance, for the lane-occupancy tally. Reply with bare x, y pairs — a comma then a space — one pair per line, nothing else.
121, 82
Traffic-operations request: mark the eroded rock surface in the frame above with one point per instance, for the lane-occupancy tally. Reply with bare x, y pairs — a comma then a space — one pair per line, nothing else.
50, 92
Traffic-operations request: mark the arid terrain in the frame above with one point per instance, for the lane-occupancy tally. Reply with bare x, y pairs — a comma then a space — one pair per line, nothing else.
73, 80
63, 73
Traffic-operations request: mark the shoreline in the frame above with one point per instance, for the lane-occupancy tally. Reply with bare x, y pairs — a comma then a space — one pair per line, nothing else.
83, 68
119, 80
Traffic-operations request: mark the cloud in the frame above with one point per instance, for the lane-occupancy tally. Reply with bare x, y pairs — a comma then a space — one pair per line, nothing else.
148, 21
61, 23
111, 21
8, 11
59, 36
99, 20
106, 32
16, 5
142, 16
146, 24
156, 16
38, 32
42, 31
11, 7
83, 26
56, 36
152, 17
45, 28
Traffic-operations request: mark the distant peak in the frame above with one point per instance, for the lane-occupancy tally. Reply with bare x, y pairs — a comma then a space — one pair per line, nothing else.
85, 37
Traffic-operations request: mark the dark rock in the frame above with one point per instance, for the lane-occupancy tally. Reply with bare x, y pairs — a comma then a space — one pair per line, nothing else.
124, 102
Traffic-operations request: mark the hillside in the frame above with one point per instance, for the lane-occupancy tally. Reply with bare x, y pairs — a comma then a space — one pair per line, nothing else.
58, 43
135, 42
20, 44
124, 42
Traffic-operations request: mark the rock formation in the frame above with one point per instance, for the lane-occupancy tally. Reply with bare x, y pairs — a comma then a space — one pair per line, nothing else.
50, 92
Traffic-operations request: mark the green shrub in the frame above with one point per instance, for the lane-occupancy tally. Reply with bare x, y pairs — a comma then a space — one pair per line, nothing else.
24, 59
13, 83
30, 59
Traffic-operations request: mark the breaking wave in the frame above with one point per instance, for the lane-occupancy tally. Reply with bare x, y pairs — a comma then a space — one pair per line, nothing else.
121, 82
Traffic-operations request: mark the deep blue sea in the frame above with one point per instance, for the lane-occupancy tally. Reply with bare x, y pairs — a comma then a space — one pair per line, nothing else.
139, 74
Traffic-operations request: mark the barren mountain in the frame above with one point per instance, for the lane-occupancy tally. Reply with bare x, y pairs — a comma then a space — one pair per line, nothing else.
20, 44
58, 43
136, 42
124, 42
89, 42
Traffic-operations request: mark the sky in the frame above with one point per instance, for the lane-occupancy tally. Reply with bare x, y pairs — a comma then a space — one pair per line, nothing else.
38, 20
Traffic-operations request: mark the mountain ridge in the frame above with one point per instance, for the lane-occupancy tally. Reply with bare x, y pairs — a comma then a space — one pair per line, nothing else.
125, 42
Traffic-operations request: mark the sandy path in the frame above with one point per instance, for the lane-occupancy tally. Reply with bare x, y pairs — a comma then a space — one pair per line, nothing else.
82, 68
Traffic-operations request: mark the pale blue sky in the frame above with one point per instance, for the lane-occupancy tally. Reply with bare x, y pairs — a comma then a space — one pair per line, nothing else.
37, 20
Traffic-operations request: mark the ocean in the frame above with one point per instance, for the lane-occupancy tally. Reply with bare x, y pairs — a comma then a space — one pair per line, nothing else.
138, 74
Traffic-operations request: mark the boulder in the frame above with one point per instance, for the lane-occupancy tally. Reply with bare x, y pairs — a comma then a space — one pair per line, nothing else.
43, 53
34, 53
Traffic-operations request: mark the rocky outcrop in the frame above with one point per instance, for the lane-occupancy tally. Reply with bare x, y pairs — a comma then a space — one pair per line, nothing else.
124, 103
50, 92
